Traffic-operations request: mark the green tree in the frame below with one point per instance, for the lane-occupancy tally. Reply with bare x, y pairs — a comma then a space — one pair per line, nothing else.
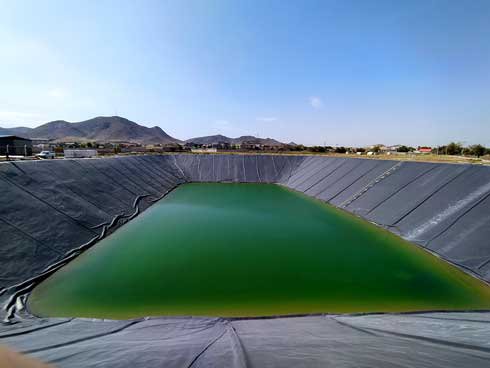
298, 147
440, 150
317, 149
402, 149
477, 150
454, 148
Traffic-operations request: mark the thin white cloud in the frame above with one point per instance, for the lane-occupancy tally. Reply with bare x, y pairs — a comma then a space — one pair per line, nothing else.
222, 125
228, 128
316, 102
57, 93
15, 118
267, 119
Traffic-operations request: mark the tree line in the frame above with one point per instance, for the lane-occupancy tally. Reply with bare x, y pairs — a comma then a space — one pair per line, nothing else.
452, 148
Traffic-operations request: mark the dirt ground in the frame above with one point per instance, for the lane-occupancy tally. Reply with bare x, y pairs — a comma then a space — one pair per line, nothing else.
12, 359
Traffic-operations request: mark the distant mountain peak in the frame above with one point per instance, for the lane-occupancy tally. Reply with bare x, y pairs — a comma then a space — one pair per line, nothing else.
119, 129
100, 129
218, 138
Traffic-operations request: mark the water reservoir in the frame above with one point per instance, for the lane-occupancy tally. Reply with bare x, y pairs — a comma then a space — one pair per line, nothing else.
212, 249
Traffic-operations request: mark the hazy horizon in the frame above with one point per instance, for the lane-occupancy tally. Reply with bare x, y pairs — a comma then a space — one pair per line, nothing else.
347, 73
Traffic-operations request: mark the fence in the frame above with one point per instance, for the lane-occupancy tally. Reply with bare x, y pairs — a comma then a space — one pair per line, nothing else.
15, 150
80, 153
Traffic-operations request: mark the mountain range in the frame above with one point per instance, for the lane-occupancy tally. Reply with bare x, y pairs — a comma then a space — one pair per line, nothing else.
117, 129
215, 139
101, 129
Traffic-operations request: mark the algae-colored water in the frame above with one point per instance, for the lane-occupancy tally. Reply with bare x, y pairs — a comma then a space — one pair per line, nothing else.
252, 250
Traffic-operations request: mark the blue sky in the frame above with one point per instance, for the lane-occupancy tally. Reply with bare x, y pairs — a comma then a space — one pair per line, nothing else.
336, 72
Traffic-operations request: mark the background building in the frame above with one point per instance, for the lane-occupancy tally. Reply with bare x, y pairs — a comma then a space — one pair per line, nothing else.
13, 145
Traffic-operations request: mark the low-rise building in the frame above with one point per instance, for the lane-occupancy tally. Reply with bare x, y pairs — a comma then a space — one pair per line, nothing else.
204, 150
80, 153
424, 149
12, 145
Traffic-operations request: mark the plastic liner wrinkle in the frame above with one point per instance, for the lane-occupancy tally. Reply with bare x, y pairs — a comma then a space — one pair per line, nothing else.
483, 264
243, 168
199, 166
274, 166
76, 341
208, 345
345, 324
25, 287
303, 167
112, 179
239, 352
171, 176
353, 182
129, 178
449, 211
38, 242
35, 329
438, 189
47, 203
292, 170
184, 177
433, 340
81, 196
126, 163
343, 176
456, 319
18, 167
257, 168
151, 164
401, 188
304, 177
310, 168
457, 219
370, 185
326, 176
286, 169
156, 174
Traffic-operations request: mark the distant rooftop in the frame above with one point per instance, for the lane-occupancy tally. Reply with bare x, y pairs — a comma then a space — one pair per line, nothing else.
13, 136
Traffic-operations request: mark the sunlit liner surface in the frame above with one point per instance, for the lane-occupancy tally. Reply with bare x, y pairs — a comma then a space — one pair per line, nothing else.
251, 250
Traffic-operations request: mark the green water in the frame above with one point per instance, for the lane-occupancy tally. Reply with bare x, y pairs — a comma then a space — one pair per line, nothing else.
251, 250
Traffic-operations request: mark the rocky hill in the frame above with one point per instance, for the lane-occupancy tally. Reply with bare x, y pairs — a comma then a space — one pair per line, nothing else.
119, 129
100, 129
216, 139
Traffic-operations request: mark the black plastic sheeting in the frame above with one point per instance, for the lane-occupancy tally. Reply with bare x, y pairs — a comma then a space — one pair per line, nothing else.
418, 340
442, 207
53, 210
52, 207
